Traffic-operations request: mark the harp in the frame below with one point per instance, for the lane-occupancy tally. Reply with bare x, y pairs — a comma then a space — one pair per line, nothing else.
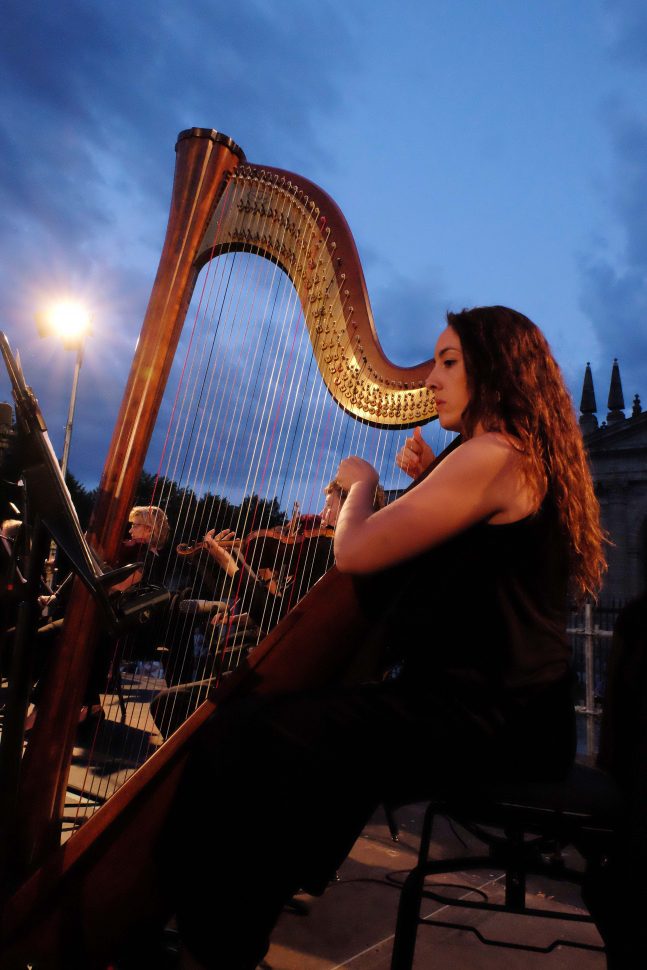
70, 903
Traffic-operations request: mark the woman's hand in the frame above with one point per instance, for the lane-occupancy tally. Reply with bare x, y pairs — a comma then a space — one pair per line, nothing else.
212, 543
415, 456
353, 470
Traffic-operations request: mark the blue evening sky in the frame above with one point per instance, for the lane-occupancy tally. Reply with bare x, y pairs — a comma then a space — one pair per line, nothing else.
483, 151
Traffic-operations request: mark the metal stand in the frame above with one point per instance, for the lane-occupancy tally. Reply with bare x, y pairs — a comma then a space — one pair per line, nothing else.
49, 514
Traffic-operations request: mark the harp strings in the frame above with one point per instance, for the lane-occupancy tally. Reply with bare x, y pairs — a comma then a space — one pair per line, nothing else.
272, 443
231, 432
107, 743
276, 434
274, 412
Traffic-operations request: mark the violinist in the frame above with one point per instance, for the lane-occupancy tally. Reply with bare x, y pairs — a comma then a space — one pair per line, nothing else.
481, 556
149, 531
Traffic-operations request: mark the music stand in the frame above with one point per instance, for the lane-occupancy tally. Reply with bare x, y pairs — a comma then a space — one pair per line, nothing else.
49, 512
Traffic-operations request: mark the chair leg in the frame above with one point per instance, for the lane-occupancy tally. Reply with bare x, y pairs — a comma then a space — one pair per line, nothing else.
406, 929
515, 874
391, 822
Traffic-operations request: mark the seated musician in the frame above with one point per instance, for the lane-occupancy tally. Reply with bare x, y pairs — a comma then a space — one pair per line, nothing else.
262, 600
149, 531
480, 557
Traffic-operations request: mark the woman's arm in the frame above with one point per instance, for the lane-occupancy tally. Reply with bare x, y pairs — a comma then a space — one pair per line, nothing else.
212, 544
482, 480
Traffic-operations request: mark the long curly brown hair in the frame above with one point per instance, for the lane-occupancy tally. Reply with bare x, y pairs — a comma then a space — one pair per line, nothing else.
516, 387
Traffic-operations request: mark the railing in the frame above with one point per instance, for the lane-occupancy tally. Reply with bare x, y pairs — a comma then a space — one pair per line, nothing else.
590, 630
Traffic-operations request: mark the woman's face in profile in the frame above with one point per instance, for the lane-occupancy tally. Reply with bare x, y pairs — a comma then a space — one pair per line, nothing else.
139, 531
447, 380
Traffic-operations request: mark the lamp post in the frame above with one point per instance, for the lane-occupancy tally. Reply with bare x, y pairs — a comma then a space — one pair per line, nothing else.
72, 324
70, 414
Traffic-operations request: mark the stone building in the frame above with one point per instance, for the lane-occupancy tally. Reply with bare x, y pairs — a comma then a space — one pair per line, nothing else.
617, 450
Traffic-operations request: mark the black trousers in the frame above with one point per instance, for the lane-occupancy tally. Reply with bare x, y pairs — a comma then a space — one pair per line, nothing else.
278, 790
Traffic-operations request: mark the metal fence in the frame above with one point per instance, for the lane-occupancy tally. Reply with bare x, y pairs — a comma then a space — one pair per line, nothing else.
590, 630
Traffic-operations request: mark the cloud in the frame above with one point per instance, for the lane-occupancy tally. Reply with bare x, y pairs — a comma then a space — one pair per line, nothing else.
616, 302
628, 23
614, 272
415, 306
614, 280
91, 99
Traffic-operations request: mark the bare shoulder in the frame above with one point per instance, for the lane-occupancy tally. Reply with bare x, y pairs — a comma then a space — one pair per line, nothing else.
485, 475
495, 465
491, 452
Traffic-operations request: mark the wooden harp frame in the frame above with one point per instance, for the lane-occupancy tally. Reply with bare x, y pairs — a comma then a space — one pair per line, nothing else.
326, 273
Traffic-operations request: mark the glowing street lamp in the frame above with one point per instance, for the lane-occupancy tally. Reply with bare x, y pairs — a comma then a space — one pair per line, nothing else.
71, 322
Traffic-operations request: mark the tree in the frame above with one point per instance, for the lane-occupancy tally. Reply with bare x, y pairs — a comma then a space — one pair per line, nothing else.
82, 499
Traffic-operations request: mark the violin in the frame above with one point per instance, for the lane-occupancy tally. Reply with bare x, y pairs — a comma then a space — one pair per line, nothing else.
263, 547
290, 538
266, 548
309, 528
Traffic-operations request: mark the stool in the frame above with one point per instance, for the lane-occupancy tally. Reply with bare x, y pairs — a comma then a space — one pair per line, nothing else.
531, 820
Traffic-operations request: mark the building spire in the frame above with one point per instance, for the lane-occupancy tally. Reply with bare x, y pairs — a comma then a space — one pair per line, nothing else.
616, 402
588, 407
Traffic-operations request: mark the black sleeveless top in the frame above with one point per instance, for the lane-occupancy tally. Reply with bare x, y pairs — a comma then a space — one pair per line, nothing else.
486, 610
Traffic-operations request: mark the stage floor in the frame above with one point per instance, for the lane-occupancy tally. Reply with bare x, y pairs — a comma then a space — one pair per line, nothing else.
352, 924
